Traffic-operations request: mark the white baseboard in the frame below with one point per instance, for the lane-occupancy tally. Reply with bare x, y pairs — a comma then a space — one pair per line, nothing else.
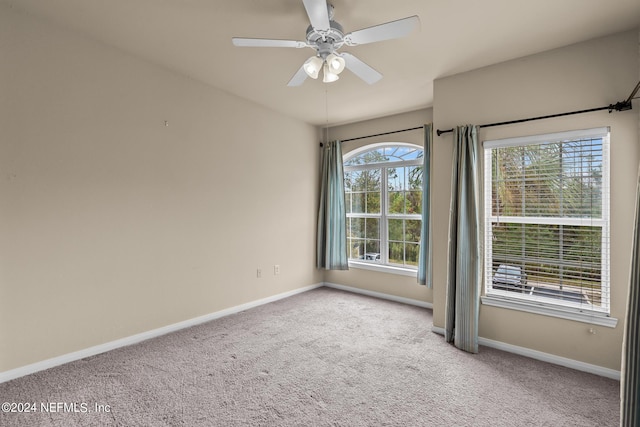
545, 357
134, 339
380, 295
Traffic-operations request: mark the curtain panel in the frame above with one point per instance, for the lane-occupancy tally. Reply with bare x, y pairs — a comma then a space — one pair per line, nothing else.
424, 260
332, 216
629, 385
465, 249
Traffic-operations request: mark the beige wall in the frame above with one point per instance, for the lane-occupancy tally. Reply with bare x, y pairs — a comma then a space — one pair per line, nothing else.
392, 284
114, 224
581, 76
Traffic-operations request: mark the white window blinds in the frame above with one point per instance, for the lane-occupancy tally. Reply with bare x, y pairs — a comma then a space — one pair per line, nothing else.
547, 219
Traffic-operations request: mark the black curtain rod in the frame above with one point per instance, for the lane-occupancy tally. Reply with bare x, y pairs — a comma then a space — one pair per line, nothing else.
619, 106
380, 134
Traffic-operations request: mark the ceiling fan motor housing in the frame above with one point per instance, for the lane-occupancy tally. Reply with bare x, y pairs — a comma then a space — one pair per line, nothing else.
326, 41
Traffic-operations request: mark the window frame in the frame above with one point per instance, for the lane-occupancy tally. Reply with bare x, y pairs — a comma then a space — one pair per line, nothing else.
540, 305
384, 265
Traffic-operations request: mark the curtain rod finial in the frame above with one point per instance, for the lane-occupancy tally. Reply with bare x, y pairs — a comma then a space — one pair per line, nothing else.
621, 106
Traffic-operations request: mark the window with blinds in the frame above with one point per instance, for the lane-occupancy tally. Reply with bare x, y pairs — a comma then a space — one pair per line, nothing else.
547, 219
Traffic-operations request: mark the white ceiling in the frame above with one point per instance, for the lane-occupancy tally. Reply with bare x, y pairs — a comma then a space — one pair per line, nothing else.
193, 37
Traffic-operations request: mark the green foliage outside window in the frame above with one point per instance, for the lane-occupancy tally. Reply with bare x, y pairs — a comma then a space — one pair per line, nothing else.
399, 177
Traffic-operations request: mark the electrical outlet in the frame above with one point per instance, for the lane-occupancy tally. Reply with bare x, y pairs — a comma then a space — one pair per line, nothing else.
276, 269
259, 273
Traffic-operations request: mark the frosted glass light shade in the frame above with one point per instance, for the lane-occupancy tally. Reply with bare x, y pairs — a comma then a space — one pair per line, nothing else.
312, 66
328, 75
336, 63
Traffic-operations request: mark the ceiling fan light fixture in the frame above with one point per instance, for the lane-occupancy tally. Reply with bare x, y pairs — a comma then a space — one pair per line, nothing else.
329, 76
336, 63
327, 36
312, 66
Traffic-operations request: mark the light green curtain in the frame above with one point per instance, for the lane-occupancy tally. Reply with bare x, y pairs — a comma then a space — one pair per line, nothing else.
424, 262
332, 216
630, 386
465, 251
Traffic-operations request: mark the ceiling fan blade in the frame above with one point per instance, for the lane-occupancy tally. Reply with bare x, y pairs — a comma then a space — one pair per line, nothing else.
318, 12
360, 69
298, 78
244, 42
386, 31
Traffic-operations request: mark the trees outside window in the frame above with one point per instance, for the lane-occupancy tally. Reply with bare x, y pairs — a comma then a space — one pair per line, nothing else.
383, 191
547, 219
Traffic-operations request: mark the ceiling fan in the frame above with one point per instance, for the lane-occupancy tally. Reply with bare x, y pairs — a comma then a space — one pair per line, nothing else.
326, 36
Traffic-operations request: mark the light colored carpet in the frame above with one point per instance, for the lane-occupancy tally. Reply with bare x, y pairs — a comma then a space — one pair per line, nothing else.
322, 358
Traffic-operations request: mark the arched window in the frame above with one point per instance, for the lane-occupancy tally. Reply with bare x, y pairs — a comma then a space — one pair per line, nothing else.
383, 191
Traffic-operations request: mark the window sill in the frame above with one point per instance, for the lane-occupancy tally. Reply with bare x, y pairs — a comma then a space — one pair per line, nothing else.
384, 268
591, 317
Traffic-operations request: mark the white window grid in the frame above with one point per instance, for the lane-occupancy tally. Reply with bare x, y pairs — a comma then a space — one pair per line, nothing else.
384, 216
